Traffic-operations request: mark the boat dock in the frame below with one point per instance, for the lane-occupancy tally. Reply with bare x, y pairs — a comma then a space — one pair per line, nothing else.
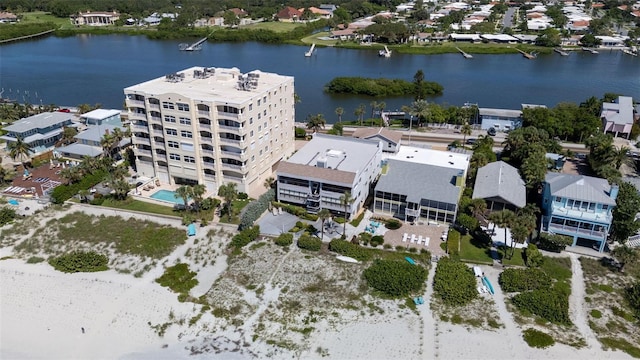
386, 52
527, 55
310, 52
466, 55
561, 52
631, 52
593, 51
193, 47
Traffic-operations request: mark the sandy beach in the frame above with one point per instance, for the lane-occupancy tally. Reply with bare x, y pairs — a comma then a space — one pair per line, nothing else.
265, 314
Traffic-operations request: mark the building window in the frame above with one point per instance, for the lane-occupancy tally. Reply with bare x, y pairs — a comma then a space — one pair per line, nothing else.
265, 112
251, 133
250, 107
167, 105
186, 134
169, 119
258, 102
173, 132
250, 121
189, 159
605, 207
259, 116
174, 157
173, 144
558, 199
185, 121
182, 107
265, 99
259, 127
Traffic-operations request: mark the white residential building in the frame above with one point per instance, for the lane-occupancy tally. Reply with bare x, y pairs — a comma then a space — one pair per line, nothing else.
212, 126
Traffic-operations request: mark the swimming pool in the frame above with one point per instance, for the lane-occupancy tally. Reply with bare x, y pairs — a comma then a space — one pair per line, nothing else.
168, 196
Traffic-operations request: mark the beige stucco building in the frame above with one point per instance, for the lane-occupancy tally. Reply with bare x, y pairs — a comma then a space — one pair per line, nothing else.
212, 126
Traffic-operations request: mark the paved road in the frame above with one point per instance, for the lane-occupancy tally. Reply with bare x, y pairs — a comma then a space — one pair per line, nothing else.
507, 20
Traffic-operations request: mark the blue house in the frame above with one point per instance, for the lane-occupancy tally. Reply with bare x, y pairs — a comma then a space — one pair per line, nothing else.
578, 206
40, 131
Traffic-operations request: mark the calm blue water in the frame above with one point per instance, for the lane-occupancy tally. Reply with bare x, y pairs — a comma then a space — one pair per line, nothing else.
96, 68
168, 196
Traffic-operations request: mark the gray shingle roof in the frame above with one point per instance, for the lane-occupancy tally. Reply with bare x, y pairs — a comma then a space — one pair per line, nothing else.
368, 133
96, 132
420, 181
580, 187
80, 149
501, 180
39, 121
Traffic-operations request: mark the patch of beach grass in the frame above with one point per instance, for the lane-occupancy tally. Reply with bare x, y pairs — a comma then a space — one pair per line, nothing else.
275, 26
142, 206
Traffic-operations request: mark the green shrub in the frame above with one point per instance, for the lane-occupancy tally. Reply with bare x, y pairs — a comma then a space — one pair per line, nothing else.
537, 339
468, 221
395, 278
285, 239
632, 295
533, 256
300, 133
400, 248
517, 280
364, 238
339, 220
7, 215
178, 278
34, 260
245, 236
550, 304
243, 196
393, 224
80, 261
454, 282
453, 242
377, 240
380, 87
554, 242
63, 193
309, 242
596, 314
346, 248
256, 208
355, 222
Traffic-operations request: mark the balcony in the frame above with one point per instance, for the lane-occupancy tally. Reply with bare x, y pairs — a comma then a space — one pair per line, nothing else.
204, 113
581, 215
155, 120
240, 168
153, 106
207, 153
140, 127
233, 129
241, 156
208, 165
136, 116
138, 140
227, 115
231, 142
141, 152
161, 157
574, 230
136, 103
157, 132
210, 177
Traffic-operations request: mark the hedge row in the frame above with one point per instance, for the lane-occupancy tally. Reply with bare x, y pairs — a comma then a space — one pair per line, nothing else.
63, 193
309, 242
550, 304
80, 261
454, 282
517, 280
296, 210
395, 278
256, 208
245, 236
284, 239
346, 248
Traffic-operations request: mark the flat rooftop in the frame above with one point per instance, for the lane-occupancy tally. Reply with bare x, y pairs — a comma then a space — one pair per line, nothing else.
500, 112
336, 152
100, 114
39, 121
446, 159
211, 84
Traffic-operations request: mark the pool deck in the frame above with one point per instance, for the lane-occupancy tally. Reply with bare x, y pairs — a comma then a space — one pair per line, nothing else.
145, 195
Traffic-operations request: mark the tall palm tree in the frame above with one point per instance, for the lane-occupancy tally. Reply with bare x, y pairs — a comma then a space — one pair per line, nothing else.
107, 142
229, 193
346, 200
184, 192
323, 215
478, 207
466, 131
374, 106
19, 149
316, 122
421, 110
269, 183
359, 112
519, 234
503, 219
339, 112
620, 158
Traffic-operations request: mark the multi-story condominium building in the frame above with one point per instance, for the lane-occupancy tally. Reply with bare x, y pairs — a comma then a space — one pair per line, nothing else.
40, 131
421, 184
322, 171
579, 206
212, 126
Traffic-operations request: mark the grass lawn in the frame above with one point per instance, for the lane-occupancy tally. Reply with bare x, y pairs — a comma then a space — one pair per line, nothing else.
275, 26
132, 236
236, 207
474, 250
141, 206
42, 17
516, 260
315, 39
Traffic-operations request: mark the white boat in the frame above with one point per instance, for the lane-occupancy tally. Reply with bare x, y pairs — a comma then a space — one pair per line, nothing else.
386, 52
347, 259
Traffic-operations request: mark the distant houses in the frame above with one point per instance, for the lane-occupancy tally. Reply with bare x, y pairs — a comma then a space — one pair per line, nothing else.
8, 17
95, 18
390, 138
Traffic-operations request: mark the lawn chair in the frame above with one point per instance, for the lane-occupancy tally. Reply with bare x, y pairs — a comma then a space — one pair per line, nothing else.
426, 241
413, 238
419, 240
405, 237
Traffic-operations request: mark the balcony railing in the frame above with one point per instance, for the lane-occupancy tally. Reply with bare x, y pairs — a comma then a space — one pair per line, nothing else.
233, 129
210, 177
137, 140
207, 152
136, 116
139, 152
157, 132
578, 214
154, 106
140, 127
161, 157
242, 156
227, 115
204, 113
155, 119
138, 103
576, 230
208, 165
231, 141
241, 168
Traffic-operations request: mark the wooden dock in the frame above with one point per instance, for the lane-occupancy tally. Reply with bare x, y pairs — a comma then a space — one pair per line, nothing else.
561, 52
527, 55
466, 55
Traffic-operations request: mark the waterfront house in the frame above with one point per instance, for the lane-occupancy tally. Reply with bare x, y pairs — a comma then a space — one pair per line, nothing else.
391, 139
578, 206
321, 172
101, 117
40, 131
501, 186
7, 17
499, 119
617, 116
95, 18
88, 142
289, 14
421, 184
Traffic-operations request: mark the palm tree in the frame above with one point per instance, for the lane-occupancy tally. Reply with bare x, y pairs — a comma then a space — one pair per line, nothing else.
229, 193
420, 109
121, 188
197, 191
503, 219
323, 215
19, 149
374, 106
316, 122
519, 234
107, 142
346, 200
466, 131
84, 193
620, 158
478, 207
184, 192
382, 105
269, 183
339, 112
359, 112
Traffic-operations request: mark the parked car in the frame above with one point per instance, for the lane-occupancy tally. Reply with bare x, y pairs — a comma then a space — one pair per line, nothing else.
471, 141
491, 131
